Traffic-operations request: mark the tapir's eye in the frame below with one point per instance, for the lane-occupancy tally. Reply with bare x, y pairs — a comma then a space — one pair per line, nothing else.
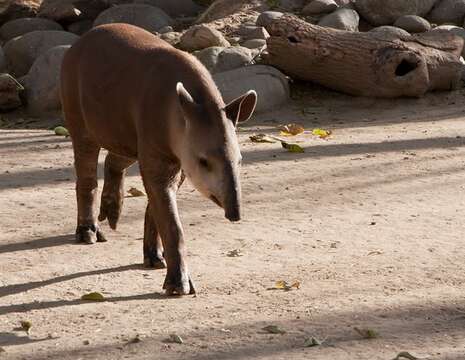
204, 163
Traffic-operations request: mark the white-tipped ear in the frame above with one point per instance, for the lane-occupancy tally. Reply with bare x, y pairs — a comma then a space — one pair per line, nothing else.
242, 108
183, 94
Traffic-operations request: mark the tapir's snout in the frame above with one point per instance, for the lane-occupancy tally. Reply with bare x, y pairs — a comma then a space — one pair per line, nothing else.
233, 214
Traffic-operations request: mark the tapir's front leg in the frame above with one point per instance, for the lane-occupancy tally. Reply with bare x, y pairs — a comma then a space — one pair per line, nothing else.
161, 183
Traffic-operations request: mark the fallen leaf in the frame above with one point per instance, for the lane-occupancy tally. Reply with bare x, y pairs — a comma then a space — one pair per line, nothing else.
291, 129
135, 192
26, 325
283, 285
234, 253
93, 296
294, 148
375, 252
174, 338
322, 133
311, 342
262, 138
61, 131
273, 329
405, 355
366, 333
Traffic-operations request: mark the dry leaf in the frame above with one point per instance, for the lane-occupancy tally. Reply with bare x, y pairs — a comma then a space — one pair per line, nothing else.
322, 133
234, 253
273, 329
26, 325
135, 192
291, 129
61, 131
93, 296
294, 148
366, 333
262, 138
311, 342
283, 285
176, 339
405, 355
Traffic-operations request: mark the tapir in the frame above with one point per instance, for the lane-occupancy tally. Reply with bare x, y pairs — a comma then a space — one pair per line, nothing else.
125, 90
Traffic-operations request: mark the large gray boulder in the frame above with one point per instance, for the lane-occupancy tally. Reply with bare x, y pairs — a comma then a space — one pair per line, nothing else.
413, 24
174, 8
342, 19
21, 52
317, 7
22, 26
456, 30
42, 83
270, 84
448, 12
9, 93
390, 31
147, 17
267, 17
386, 12
200, 37
218, 59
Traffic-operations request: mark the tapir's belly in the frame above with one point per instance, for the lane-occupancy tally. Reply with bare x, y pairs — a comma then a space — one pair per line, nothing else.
108, 114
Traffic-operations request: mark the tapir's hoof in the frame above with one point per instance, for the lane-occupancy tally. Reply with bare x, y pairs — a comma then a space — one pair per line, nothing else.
178, 288
89, 234
110, 209
154, 263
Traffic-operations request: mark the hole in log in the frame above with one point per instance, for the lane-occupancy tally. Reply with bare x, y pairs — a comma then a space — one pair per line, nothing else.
293, 39
405, 67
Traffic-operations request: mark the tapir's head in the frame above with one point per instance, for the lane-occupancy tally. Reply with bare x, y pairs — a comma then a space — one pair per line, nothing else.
210, 154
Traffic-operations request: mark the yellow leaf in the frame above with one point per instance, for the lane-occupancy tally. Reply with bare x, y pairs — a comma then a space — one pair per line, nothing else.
61, 131
26, 325
294, 148
262, 138
291, 129
93, 296
296, 284
281, 284
135, 192
322, 133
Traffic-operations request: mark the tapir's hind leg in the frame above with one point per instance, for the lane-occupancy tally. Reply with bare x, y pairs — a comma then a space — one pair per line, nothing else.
113, 188
85, 160
153, 246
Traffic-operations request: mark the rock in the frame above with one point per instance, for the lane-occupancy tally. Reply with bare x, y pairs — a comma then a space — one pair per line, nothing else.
448, 12
390, 30
218, 59
22, 26
386, 12
21, 52
172, 38
291, 5
200, 37
317, 7
254, 43
342, 19
224, 8
72, 10
456, 30
265, 18
253, 32
80, 27
175, 8
165, 29
145, 16
413, 24
270, 84
10, 90
20, 8
42, 83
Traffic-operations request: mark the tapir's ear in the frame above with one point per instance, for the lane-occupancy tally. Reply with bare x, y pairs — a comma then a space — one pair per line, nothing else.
185, 98
242, 108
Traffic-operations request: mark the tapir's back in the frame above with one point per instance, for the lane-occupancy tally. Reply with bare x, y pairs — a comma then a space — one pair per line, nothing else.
116, 72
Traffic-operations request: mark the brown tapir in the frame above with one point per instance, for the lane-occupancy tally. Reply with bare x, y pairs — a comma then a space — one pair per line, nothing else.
125, 90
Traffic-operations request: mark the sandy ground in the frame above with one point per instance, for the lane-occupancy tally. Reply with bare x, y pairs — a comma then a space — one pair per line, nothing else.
370, 222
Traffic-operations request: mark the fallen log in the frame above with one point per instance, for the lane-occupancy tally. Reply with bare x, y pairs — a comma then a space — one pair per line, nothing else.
367, 64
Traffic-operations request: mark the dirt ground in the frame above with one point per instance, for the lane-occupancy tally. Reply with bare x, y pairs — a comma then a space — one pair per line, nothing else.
370, 222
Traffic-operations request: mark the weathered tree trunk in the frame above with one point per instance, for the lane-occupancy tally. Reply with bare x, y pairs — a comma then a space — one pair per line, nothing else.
369, 64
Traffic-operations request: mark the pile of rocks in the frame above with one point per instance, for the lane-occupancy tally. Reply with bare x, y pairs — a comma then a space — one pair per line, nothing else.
227, 36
